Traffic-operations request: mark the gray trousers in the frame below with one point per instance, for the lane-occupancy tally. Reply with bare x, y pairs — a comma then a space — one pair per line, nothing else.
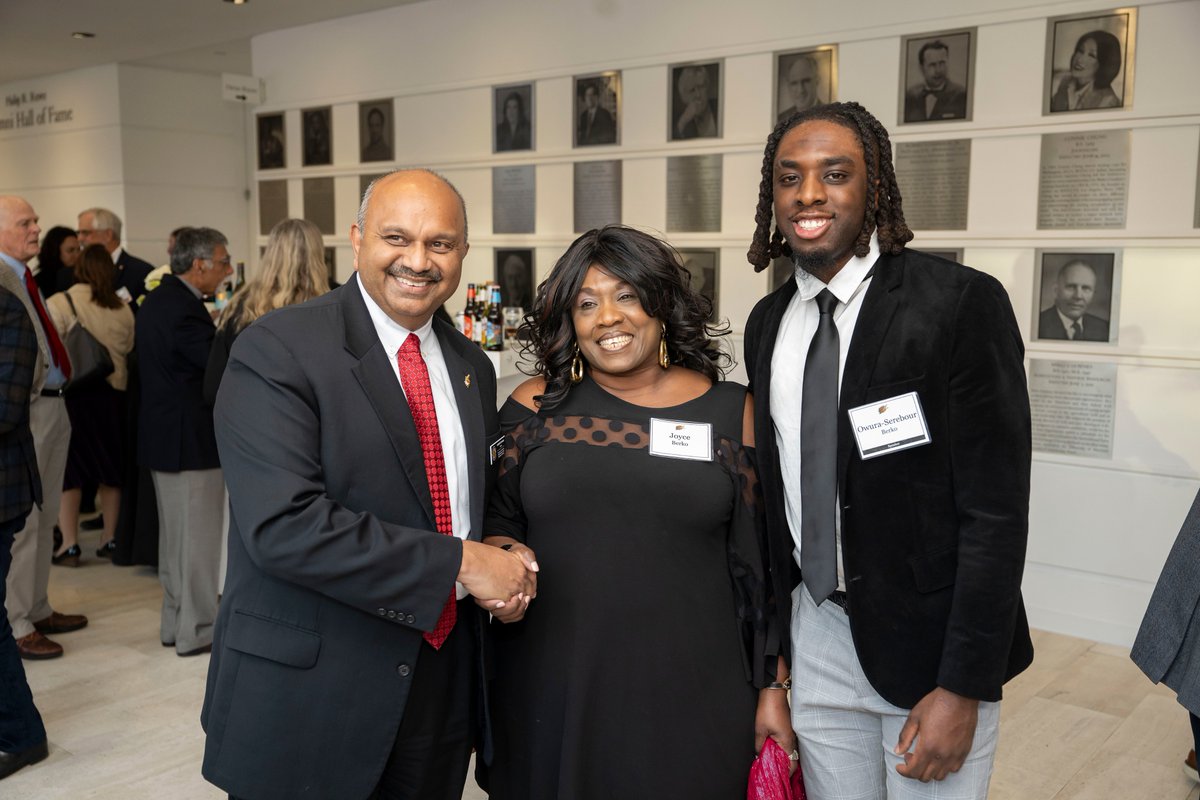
189, 554
29, 577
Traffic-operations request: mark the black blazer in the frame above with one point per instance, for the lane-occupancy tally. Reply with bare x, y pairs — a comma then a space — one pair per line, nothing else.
933, 538
174, 334
602, 131
20, 486
335, 565
1050, 326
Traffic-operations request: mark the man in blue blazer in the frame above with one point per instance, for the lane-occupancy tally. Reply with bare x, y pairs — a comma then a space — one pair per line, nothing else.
893, 436
359, 439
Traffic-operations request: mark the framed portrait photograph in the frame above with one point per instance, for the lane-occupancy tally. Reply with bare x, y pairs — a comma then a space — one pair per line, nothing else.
1089, 61
694, 98
937, 76
376, 135
598, 108
272, 142
514, 273
782, 270
804, 79
512, 117
316, 127
1076, 295
704, 266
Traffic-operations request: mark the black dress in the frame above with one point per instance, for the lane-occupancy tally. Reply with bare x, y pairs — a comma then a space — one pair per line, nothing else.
632, 675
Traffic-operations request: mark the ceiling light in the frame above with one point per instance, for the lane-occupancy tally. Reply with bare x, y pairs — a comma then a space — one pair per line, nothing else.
238, 2
83, 35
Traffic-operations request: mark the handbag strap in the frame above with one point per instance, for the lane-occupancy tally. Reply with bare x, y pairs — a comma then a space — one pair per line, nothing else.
67, 294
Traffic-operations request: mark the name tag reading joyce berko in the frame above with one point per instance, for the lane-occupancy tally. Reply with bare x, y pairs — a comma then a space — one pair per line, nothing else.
677, 439
886, 426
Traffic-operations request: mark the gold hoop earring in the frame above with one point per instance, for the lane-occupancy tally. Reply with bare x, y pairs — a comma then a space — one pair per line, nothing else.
664, 358
576, 367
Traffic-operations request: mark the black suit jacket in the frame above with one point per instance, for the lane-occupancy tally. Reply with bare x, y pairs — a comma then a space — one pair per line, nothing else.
335, 565
20, 487
131, 274
174, 335
933, 538
602, 131
1050, 326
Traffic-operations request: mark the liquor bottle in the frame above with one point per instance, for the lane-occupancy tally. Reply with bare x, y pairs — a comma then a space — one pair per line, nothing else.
495, 323
241, 276
468, 328
481, 309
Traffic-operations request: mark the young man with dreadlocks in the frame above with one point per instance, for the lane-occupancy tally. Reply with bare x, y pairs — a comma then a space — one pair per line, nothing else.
894, 446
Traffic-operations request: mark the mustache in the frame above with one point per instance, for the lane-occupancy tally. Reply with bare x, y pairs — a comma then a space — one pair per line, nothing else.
433, 274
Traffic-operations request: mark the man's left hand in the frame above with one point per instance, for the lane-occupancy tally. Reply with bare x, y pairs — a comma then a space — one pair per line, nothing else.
943, 723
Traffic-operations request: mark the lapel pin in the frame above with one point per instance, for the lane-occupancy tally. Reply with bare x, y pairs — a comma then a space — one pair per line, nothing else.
467, 380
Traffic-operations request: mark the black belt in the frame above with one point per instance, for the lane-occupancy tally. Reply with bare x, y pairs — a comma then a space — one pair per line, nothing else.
59, 392
838, 598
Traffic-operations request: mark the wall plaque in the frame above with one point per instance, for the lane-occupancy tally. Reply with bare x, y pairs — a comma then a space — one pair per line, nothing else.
1084, 180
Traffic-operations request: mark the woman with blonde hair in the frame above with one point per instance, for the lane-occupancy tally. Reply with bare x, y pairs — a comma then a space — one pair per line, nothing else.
293, 270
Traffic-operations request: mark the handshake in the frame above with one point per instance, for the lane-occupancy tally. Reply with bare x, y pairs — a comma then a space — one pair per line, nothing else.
501, 574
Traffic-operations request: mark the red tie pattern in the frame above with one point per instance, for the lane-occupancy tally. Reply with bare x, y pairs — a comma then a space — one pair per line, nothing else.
57, 351
414, 375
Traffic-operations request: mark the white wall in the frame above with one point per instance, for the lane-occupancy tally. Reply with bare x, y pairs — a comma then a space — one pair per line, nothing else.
1100, 528
160, 148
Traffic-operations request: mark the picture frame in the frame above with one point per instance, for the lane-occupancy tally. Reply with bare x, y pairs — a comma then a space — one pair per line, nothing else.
596, 118
937, 76
513, 117
704, 265
376, 131
1080, 286
696, 100
514, 271
804, 79
316, 128
272, 141
1090, 61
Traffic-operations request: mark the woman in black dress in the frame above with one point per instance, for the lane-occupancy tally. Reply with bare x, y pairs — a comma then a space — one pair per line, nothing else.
645, 666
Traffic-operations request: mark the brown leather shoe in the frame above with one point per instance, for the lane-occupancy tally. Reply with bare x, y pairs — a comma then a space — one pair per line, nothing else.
36, 647
61, 623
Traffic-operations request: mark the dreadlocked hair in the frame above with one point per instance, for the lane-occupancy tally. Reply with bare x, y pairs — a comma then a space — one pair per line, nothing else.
883, 213
663, 285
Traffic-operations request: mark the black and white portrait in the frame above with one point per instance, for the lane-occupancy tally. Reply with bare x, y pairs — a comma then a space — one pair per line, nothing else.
937, 73
704, 267
514, 273
512, 117
272, 142
695, 101
1076, 295
375, 133
598, 109
804, 79
316, 124
1089, 62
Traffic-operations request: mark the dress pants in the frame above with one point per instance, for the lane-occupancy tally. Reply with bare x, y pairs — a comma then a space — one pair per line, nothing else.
20, 724
848, 732
28, 578
190, 517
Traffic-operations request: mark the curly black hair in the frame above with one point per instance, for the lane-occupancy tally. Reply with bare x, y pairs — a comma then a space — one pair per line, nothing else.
884, 212
663, 285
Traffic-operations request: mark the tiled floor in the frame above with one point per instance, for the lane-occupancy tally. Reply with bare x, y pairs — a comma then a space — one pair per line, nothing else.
123, 712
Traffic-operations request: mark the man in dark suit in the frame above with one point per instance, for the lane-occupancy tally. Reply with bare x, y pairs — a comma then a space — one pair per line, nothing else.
360, 438
101, 226
596, 125
22, 735
893, 436
936, 97
175, 437
1074, 290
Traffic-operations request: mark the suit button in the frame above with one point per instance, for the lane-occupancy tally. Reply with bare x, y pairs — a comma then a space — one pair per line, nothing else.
383, 612
403, 670
391, 615
410, 619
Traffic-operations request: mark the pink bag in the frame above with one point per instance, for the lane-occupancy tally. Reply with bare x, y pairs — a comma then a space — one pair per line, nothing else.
769, 776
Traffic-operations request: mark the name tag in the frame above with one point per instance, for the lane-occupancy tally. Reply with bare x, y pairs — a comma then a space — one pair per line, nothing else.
496, 451
674, 438
886, 426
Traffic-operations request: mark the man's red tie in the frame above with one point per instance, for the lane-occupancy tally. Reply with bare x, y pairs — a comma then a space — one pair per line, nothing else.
57, 351
415, 377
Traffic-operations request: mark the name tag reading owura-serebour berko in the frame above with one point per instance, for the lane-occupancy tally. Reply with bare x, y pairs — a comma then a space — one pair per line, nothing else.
674, 438
886, 426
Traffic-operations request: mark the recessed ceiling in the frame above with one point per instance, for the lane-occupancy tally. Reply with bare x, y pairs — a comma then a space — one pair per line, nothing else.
196, 35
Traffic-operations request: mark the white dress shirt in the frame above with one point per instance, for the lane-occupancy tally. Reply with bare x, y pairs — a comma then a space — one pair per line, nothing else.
796, 331
454, 445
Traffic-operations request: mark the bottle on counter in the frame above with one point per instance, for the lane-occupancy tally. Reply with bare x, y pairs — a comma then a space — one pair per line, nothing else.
468, 314
495, 322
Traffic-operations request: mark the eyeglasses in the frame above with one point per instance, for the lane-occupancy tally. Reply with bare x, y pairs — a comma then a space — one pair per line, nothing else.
224, 262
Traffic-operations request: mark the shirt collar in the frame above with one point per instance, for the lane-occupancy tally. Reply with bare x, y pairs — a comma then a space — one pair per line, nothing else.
846, 282
392, 334
18, 267
116, 254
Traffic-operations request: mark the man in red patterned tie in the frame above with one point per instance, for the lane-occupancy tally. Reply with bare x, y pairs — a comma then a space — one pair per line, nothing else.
359, 439
28, 581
